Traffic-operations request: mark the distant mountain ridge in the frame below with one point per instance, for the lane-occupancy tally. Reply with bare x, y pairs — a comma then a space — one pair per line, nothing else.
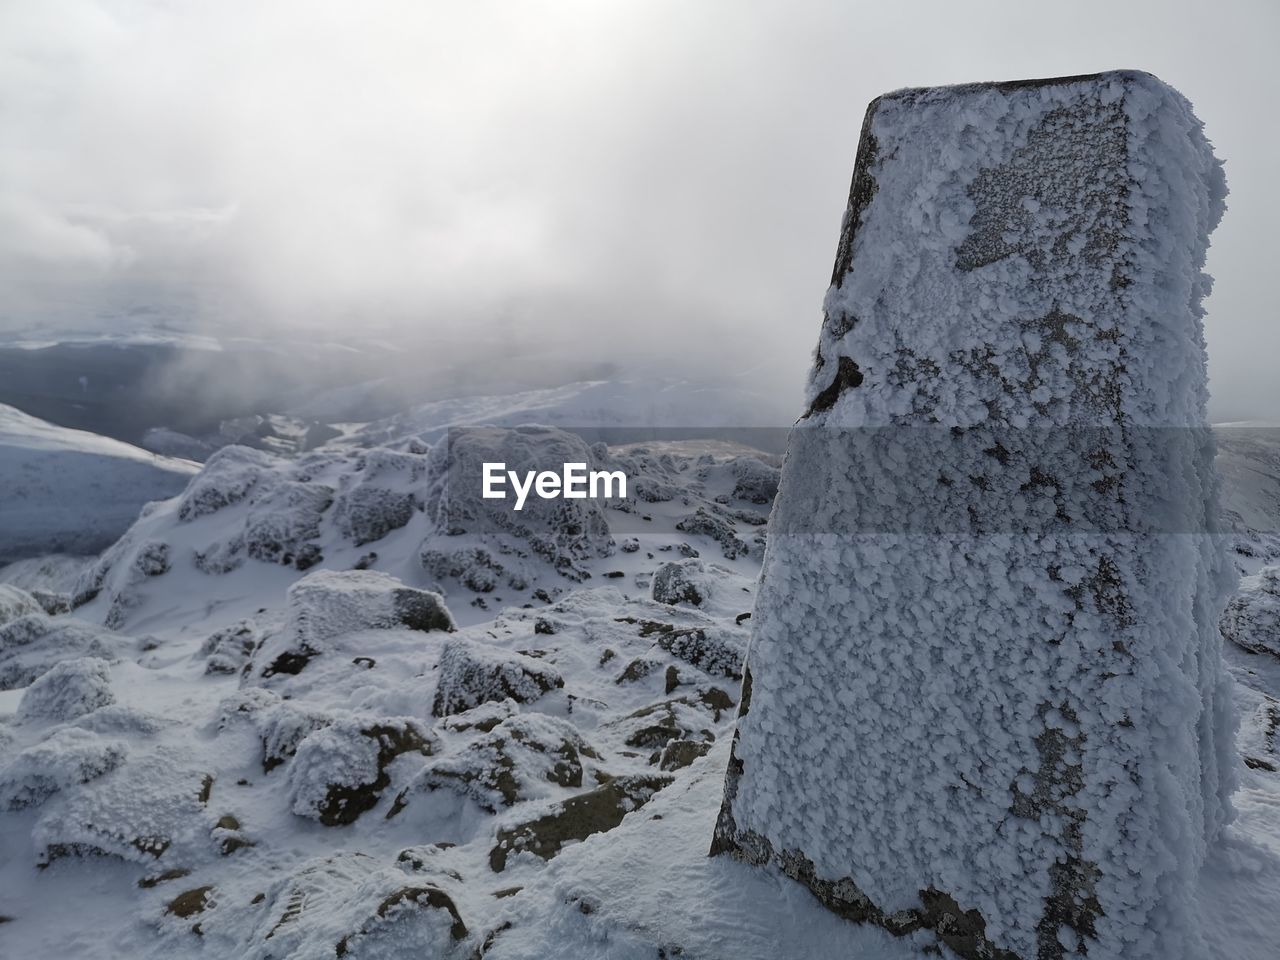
69, 491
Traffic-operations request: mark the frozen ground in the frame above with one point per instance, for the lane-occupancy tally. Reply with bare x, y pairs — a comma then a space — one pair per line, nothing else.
239, 745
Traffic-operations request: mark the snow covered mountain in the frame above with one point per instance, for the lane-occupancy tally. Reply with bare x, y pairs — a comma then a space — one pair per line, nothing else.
319, 706
68, 491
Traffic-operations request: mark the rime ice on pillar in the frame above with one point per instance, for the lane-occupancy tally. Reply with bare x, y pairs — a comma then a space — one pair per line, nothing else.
1013, 729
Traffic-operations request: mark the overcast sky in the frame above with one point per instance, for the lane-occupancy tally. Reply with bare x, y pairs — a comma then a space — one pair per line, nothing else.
637, 180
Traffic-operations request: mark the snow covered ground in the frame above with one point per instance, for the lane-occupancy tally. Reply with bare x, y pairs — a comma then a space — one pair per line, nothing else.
292, 713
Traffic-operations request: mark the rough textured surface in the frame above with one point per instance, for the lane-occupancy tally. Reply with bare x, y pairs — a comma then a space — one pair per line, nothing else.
1011, 731
472, 674
69, 689
575, 819
1252, 618
329, 604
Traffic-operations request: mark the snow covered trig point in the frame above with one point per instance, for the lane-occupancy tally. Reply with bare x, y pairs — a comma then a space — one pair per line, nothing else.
983, 696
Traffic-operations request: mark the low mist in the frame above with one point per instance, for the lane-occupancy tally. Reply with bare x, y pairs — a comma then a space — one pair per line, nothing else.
507, 195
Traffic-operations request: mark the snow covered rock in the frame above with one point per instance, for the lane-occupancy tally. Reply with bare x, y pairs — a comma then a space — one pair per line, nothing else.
681, 581
472, 673
228, 477
577, 818
121, 570
651, 728
348, 905
566, 533
383, 497
754, 480
521, 758
703, 522
15, 602
1252, 618
280, 725
227, 650
713, 650
328, 604
66, 758
68, 690
341, 770
283, 524
32, 644
992, 705
52, 602
150, 808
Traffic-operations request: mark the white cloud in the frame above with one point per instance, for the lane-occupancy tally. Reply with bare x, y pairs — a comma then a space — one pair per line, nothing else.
627, 178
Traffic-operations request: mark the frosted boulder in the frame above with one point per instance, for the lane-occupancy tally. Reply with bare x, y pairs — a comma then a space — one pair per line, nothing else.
328, 604
66, 758
381, 497
351, 905
340, 770
566, 533
149, 809
681, 581
283, 524
574, 819
523, 757
473, 673
68, 690
227, 650
1252, 618
227, 477
983, 693
15, 602
32, 644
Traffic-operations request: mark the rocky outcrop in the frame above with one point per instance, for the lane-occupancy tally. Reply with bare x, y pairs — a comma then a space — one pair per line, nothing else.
518, 759
67, 758
32, 644
1252, 618
471, 674
575, 819
681, 581
341, 770
15, 602
69, 689
329, 604
565, 533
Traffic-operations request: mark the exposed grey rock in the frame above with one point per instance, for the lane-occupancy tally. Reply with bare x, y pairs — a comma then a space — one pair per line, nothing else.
575, 819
